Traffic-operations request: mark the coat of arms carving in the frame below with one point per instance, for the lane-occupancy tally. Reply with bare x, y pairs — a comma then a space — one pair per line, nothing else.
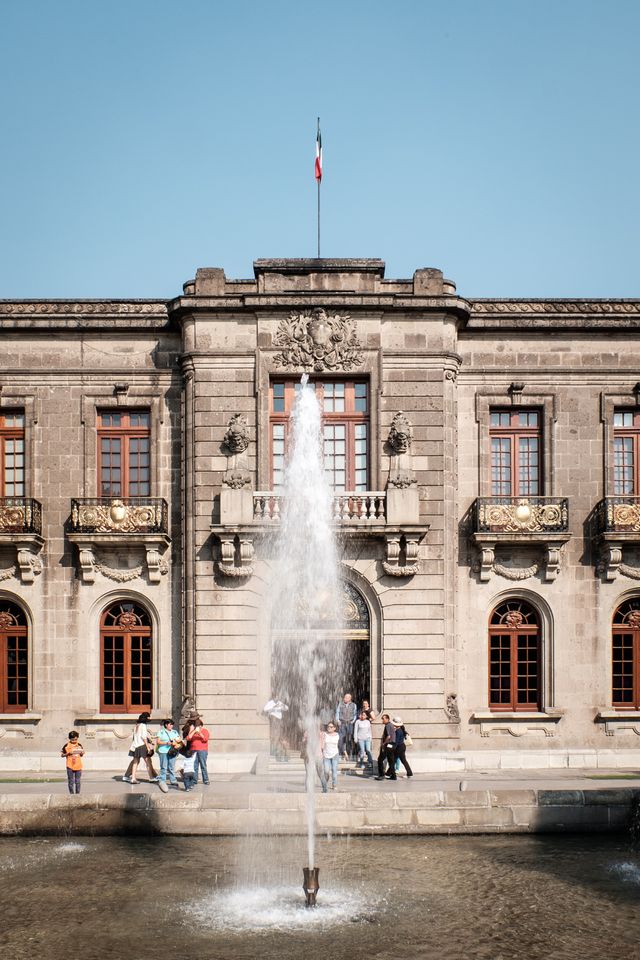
318, 341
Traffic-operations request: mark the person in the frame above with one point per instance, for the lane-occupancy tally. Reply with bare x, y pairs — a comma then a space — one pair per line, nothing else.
331, 753
141, 749
275, 709
188, 768
197, 738
73, 752
346, 714
400, 749
317, 760
371, 714
362, 736
168, 741
387, 752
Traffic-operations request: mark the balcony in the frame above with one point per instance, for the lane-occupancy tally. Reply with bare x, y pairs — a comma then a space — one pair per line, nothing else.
515, 524
617, 530
391, 515
104, 523
367, 508
21, 529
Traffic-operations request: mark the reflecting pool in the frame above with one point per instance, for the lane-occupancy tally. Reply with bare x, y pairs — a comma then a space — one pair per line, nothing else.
458, 898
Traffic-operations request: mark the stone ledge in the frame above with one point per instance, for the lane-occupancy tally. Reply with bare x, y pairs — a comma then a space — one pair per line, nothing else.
509, 811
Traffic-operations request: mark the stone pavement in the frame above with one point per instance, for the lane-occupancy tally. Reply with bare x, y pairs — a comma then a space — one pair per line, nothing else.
244, 803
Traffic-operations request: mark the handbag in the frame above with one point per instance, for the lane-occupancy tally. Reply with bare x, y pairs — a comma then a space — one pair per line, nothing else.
172, 752
408, 740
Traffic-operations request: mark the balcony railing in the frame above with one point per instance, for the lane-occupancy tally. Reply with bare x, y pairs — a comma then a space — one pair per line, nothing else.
618, 515
119, 515
521, 515
366, 508
20, 515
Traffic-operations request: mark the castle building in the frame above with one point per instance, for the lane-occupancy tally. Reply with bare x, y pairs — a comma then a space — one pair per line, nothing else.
485, 458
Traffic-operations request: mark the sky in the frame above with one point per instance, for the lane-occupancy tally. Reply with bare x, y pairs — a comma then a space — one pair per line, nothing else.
498, 140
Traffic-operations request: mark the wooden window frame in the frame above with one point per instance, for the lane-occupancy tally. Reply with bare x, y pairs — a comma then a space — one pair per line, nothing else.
631, 629
21, 631
125, 432
12, 433
515, 431
633, 433
514, 632
127, 633
349, 417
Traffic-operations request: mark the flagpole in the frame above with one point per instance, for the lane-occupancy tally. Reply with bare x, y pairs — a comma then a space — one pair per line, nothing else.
319, 181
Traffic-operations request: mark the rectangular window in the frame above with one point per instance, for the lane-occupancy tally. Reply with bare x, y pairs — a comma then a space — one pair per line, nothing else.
124, 442
626, 444
345, 426
516, 453
12, 464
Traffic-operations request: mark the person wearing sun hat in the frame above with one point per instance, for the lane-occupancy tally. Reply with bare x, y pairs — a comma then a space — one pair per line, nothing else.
400, 748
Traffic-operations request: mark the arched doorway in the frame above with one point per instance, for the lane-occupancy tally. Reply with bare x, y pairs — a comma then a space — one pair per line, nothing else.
357, 638
625, 667
344, 663
14, 658
515, 656
126, 658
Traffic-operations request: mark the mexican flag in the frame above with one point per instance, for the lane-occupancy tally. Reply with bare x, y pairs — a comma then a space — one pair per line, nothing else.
318, 155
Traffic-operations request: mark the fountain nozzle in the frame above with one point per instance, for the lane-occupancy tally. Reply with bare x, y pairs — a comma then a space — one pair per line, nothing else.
311, 884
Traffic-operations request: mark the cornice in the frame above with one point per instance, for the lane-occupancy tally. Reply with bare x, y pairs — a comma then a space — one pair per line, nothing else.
83, 313
546, 313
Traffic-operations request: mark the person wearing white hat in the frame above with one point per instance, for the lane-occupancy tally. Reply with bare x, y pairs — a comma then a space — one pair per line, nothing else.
400, 748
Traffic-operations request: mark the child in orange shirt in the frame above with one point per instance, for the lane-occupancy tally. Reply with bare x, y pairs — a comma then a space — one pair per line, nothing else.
73, 751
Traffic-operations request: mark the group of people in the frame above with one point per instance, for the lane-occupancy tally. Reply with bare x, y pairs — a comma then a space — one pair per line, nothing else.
184, 752
350, 734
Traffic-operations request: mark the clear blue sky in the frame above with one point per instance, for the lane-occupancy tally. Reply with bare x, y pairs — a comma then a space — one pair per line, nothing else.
496, 139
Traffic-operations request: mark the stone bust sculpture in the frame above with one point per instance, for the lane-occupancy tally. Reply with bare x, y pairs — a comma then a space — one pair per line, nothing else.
236, 438
400, 433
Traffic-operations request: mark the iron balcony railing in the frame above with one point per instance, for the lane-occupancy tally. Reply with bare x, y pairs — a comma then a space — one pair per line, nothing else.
618, 515
119, 515
521, 515
20, 515
365, 508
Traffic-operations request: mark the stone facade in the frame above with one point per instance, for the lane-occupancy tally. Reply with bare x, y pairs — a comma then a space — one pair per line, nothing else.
415, 547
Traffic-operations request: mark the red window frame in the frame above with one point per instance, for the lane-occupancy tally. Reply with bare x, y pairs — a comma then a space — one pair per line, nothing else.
353, 421
515, 658
626, 453
14, 659
12, 461
625, 656
126, 659
123, 470
516, 462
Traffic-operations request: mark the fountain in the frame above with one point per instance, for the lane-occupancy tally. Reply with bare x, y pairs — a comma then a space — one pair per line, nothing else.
308, 653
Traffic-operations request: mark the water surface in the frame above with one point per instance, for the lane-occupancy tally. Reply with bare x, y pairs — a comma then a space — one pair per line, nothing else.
428, 898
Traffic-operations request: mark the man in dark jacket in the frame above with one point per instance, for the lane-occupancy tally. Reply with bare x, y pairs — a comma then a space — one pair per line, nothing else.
387, 750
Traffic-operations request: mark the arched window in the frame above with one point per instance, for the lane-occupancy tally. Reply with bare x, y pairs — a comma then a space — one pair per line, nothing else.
14, 659
515, 662
126, 646
626, 655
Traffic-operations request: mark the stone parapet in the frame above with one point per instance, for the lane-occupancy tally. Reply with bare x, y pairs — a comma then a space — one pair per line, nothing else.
393, 812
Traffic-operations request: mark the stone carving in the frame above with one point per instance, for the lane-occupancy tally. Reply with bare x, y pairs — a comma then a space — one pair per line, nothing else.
578, 307
533, 515
516, 573
240, 549
116, 516
28, 563
97, 307
120, 576
628, 571
451, 709
315, 340
392, 565
236, 439
400, 433
400, 438
6, 620
8, 572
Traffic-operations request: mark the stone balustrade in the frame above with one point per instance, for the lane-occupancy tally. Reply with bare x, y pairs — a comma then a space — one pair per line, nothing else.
349, 508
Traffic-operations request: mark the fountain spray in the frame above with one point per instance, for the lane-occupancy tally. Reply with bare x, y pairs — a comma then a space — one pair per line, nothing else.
308, 652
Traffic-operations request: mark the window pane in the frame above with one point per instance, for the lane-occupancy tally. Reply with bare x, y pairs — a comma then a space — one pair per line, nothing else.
278, 398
